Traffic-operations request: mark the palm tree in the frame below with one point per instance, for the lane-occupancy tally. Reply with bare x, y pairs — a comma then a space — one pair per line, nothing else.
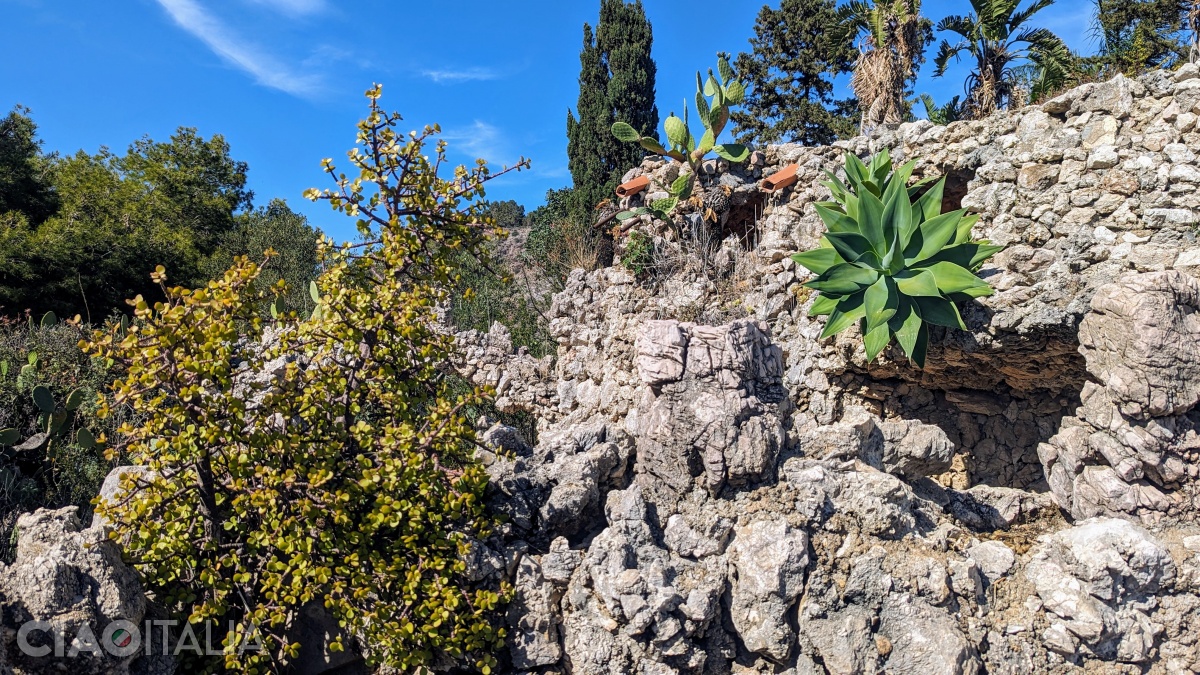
893, 40
952, 111
996, 37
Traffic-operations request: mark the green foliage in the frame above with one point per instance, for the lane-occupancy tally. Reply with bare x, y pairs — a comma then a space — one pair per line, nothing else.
893, 40
616, 81
951, 111
890, 264
485, 294
997, 39
559, 242
168, 203
348, 480
795, 54
46, 379
277, 228
1139, 35
638, 257
714, 99
25, 182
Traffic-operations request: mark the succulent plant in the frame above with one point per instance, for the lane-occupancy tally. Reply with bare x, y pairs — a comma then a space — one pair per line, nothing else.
54, 422
714, 98
890, 264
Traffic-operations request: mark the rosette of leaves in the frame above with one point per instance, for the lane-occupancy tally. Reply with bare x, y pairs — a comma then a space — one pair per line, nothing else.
715, 97
891, 264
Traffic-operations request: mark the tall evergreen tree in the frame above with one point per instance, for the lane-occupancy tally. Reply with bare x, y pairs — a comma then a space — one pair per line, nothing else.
795, 53
25, 184
616, 81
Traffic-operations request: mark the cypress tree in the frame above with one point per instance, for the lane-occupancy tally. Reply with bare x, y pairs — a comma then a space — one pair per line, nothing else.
616, 81
795, 53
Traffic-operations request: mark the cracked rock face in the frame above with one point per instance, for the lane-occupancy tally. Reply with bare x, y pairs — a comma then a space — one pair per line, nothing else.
72, 579
1131, 446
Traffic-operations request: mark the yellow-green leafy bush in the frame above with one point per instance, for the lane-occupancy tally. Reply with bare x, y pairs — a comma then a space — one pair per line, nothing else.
340, 473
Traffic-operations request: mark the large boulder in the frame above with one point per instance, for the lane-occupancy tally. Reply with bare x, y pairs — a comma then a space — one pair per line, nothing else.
69, 584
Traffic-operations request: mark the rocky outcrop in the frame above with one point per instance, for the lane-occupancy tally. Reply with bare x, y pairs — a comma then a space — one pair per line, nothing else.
64, 598
1132, 446
777, 504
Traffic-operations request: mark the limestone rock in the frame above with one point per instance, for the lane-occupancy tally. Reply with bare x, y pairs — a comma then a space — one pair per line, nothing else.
1142, 340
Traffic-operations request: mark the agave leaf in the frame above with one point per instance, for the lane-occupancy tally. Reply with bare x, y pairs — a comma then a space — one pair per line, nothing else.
872, 188
898, 182
970, 255
951, 278
850, 245
835, 184
881, 166
848, 312
856, 171
823, 305
981, 291
907, 326
734, 152
625, 133
835, 221
870, 222
871, 260
818, 260
881, 301
939, 312
930, 203
917, 283
876, 340
963, 234
935, 234
844, 279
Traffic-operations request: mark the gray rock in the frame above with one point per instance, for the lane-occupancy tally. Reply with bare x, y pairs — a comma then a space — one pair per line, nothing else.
770, 559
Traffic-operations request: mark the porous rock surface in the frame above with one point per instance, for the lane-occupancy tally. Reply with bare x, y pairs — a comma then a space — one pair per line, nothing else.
714, 489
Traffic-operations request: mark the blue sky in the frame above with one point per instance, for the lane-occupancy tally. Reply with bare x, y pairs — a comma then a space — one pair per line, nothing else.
283, 79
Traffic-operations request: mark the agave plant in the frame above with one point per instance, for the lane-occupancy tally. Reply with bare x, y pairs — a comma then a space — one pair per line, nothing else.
890, 264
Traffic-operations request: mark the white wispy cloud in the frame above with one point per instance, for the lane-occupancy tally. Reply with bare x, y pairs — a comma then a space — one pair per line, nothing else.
481, 139
461, 74
293, 7
266, 69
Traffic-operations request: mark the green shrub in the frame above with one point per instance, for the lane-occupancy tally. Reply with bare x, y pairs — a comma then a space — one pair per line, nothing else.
484, 294
889, 264
58, 472
638, 257
346, 480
